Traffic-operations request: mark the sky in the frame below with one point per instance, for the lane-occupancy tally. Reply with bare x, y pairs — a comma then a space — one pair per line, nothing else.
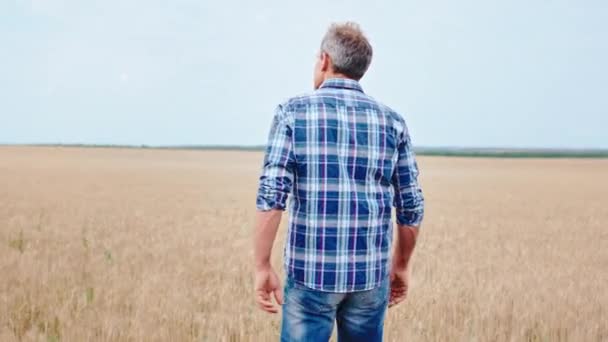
470, 73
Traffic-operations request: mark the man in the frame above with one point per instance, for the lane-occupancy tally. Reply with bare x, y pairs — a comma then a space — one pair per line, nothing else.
345, 158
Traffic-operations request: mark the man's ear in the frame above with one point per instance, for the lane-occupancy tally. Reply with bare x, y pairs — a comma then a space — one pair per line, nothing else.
325, 62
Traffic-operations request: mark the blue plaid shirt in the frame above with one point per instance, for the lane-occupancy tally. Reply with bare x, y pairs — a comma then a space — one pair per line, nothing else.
346, 159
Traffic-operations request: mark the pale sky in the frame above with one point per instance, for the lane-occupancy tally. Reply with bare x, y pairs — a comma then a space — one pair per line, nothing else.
470, 73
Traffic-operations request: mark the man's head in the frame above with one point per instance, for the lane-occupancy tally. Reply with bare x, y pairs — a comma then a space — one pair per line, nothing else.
345, 52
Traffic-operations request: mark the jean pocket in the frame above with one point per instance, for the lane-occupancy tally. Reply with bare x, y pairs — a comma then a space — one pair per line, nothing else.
310, 300
375, 297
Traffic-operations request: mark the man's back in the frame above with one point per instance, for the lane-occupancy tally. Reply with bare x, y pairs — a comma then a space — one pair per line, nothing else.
342, 149
344, 159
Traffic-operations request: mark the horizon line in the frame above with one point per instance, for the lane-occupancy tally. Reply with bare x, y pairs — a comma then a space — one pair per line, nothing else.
262, 146
455, 151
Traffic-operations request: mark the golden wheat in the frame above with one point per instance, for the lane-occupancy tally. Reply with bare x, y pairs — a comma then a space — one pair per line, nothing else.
155, 245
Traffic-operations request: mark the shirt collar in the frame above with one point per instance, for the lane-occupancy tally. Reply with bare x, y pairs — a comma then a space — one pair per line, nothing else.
342, 83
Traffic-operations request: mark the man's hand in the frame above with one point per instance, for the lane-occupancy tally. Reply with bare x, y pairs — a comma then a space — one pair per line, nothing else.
267, 282
400, 280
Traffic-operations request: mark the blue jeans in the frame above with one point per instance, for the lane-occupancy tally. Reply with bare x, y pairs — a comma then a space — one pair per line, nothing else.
309, 315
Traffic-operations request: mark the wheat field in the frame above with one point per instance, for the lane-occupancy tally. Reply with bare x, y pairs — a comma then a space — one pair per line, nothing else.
104, 244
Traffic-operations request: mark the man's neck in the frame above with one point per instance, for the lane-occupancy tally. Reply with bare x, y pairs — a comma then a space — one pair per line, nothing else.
331, 75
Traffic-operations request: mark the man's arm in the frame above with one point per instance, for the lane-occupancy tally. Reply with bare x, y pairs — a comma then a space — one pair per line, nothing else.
275, 185
400, 270
404, 246
266, 280
409, 205
267, 224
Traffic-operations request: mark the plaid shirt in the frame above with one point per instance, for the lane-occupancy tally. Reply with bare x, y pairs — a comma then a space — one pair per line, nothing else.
346, 159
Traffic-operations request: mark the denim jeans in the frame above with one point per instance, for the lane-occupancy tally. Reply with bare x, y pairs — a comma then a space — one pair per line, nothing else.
309, 315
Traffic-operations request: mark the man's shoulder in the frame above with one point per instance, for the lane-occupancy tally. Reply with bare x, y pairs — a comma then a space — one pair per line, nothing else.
389, 111
295, 103
302, 100
396, 118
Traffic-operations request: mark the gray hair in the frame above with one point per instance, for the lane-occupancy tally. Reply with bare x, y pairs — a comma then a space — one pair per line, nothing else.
349, 49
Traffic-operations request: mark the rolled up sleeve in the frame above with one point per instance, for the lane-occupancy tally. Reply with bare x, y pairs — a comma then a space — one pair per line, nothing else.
408, 200
277, 176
